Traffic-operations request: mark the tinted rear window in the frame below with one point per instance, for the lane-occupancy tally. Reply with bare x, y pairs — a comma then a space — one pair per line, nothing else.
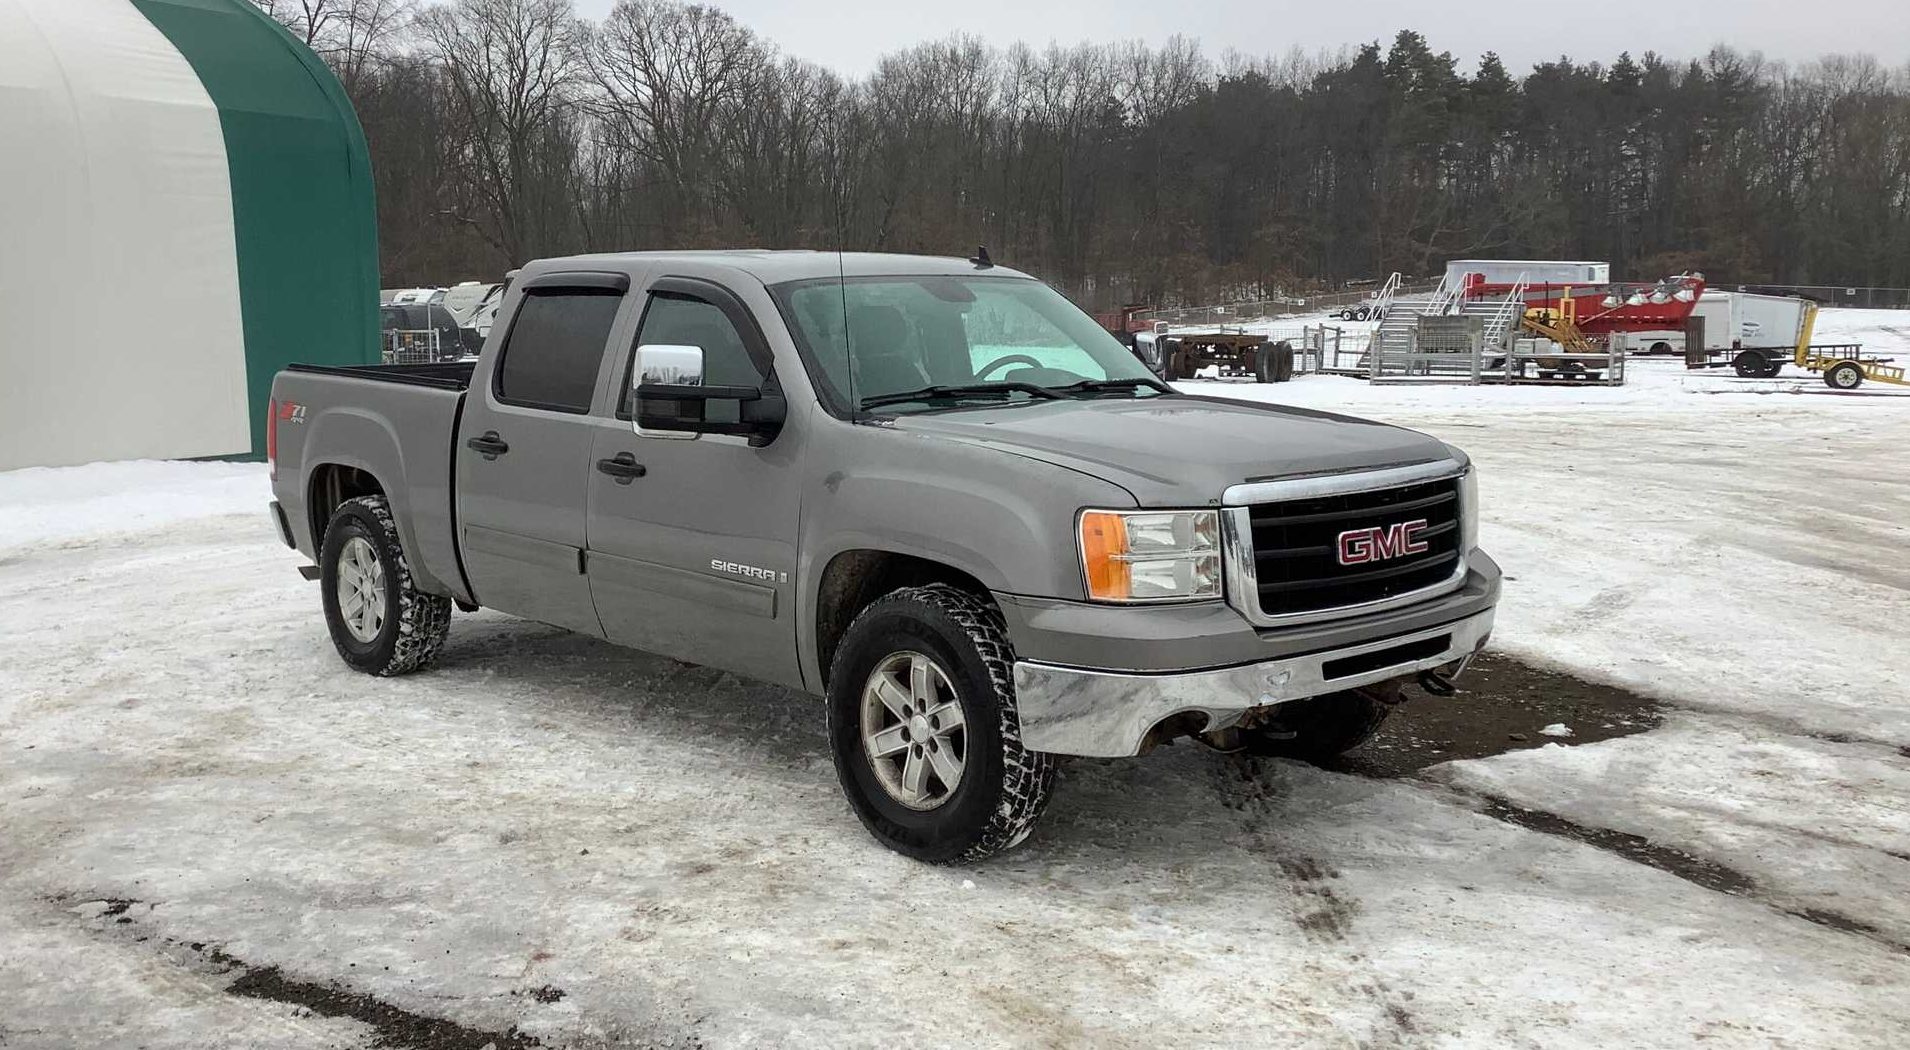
555, 346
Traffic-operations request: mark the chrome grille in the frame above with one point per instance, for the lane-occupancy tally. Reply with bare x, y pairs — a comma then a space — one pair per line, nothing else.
1295, 548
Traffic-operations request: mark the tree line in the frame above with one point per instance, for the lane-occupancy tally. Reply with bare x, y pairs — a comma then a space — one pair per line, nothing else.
505, 130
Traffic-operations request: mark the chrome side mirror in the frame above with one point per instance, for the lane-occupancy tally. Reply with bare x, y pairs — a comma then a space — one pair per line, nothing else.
670, 399
663, 371
666, 364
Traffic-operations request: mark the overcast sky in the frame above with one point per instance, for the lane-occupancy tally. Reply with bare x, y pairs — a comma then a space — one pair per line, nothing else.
849, 35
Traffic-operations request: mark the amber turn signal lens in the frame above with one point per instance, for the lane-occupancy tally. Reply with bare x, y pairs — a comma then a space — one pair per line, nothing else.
1103, 541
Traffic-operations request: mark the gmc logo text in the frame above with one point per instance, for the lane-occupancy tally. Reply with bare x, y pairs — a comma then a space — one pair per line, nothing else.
1381, 543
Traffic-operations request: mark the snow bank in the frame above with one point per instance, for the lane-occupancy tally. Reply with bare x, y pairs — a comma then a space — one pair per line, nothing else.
42, 504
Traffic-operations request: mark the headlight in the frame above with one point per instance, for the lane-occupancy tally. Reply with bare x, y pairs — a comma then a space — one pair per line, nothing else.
1150, 555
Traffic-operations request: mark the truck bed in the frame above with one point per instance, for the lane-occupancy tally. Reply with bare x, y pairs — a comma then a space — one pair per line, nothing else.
398, 423
445, 375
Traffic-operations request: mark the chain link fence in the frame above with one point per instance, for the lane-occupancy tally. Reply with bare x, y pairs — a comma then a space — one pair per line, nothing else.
1256, 309
1832, 294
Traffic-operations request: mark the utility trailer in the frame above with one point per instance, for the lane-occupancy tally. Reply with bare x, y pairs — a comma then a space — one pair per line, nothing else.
1238, 354
1843, 365
1753, 333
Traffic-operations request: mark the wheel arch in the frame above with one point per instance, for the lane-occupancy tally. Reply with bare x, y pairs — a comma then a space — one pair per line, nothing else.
328, 486
855, 577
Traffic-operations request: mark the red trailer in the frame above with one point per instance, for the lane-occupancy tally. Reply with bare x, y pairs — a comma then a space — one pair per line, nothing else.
1597, 305
1126, 320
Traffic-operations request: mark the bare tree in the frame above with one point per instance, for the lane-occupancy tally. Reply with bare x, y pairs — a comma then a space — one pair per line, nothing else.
511, 73
348, 34
1124, 172
671, 81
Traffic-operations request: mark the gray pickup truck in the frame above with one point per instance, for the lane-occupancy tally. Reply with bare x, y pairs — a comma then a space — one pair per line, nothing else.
930, 490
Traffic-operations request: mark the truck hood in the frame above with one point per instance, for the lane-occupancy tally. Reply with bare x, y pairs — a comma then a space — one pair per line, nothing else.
1182, 450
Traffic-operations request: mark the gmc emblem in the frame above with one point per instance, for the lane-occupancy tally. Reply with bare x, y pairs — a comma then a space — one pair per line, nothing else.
1359, 546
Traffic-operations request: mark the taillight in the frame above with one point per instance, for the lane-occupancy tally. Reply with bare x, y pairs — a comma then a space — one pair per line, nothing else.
272, 437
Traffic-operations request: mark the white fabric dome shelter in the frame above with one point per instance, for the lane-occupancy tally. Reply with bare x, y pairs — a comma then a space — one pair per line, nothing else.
123, 313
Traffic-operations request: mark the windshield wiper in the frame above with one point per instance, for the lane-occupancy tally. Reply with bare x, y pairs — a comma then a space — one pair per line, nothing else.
1097, 385
942, 392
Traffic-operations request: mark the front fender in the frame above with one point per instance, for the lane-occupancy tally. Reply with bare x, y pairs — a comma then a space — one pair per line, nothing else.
1004, 519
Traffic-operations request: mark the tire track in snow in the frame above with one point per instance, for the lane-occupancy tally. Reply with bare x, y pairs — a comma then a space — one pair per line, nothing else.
1699, 871
1323, 912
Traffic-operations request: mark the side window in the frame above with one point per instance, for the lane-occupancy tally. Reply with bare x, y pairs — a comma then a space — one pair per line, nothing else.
684, 321
555, 345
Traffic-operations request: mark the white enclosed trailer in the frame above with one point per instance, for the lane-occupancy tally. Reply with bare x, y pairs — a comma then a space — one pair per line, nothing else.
1733, 320
1532, 271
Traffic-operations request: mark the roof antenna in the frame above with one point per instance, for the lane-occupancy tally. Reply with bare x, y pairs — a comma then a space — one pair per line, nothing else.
981, 259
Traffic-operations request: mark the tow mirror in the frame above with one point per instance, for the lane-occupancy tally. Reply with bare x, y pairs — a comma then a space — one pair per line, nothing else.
672, 401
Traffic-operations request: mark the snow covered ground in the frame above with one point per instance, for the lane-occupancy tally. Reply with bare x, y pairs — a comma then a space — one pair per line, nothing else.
550, 838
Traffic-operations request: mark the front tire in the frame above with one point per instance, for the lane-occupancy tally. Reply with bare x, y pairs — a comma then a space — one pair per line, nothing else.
380, 623
924, 732
1323, 727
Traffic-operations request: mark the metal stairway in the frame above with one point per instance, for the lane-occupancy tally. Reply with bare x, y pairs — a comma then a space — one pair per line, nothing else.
1395, 339
1502, 315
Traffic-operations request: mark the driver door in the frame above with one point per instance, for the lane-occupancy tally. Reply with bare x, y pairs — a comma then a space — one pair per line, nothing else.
694, 557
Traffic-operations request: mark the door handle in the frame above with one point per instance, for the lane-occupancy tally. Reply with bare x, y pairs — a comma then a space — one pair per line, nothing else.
624, 467
489, 445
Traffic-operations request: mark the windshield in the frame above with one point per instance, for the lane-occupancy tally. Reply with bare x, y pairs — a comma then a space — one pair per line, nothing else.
910, 334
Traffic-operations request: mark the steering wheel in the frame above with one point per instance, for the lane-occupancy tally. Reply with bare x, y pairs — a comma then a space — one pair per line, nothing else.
1011, 359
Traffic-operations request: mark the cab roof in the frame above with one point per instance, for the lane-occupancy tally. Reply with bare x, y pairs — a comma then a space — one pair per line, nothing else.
777, 266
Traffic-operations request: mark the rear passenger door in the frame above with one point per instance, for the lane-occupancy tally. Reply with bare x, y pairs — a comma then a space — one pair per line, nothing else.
523, 451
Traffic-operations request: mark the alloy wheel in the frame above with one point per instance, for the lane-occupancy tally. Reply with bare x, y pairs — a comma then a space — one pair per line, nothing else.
914, 730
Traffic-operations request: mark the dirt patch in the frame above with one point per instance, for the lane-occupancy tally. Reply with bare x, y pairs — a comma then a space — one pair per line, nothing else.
1710, 875
391, 1026
394, 1027
1502, 705
1698, 870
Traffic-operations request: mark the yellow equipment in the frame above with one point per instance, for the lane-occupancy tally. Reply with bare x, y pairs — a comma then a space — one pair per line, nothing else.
1841, 371
1560, 327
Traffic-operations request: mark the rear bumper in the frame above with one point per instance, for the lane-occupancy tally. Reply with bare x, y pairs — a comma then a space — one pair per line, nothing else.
1077, 711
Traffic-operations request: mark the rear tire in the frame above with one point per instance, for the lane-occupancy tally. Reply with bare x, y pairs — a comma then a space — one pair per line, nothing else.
1265, 370
1323, 727
380, 623
1000, 787
1749, 364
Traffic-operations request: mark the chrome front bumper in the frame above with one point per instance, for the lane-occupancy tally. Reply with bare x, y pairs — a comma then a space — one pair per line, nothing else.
1074, 711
